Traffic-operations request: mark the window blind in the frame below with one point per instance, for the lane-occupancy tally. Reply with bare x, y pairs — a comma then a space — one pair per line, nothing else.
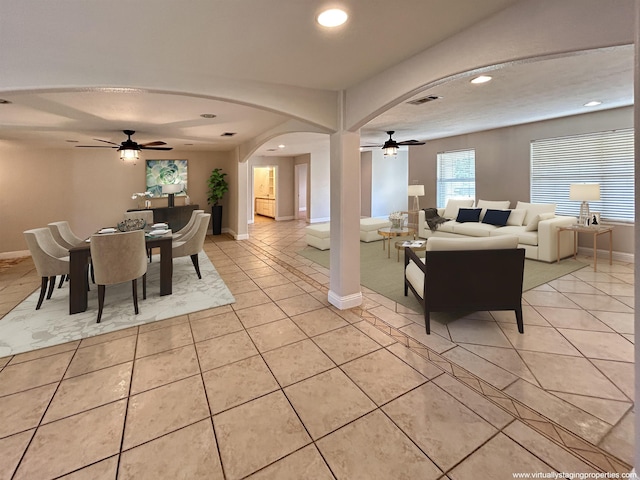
606, 158
456, 172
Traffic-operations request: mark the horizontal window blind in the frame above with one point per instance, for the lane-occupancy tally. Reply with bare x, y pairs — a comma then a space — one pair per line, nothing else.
606, 158
456, 172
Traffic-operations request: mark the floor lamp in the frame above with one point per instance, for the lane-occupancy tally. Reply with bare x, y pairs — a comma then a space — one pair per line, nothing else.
416, 191
583, 192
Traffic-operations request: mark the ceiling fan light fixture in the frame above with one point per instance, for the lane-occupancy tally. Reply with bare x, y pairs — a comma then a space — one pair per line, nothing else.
129, 155
481, 79
333, 17
390, 151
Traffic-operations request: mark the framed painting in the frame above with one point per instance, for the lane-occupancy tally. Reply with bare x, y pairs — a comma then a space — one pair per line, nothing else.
163, 172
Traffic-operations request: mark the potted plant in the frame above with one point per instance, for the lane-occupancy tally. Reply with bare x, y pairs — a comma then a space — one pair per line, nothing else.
218, 186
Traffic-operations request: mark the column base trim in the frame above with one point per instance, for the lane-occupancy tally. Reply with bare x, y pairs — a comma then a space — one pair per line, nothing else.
347, 302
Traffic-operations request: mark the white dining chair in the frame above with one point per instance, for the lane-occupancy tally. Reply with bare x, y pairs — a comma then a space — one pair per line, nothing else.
188, 226
195, 243
147, 215
63, 235
118, 258
50, 259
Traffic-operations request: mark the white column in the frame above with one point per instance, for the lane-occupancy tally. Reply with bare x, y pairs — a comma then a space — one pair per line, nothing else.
242, 229
344, 286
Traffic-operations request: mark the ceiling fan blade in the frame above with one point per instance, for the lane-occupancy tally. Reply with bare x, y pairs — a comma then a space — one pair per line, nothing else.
157, 143
142, 147
411, 142
106, 141
94, 146
371, 146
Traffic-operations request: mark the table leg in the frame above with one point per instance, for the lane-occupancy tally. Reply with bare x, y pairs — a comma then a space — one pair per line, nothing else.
558, 242
595, 252
575, 244
78, 281
166, 269
610, 247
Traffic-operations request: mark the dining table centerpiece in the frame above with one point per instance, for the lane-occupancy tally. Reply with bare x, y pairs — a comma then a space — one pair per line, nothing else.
396, 219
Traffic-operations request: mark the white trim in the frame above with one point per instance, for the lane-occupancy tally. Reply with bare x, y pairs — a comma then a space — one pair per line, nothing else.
604, 254
319, 220
244, 236
345, 303
16, 254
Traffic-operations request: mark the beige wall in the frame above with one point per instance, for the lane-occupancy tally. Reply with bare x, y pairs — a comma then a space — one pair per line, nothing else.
503, 160
90, 188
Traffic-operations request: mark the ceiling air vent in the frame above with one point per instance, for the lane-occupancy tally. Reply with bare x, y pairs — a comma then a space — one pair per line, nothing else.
228, 134
422, 100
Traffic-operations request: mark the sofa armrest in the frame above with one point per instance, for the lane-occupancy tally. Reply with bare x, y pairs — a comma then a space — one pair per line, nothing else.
548, 238
422, 225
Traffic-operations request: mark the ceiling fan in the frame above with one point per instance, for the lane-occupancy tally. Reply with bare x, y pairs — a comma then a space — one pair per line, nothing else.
129, 150
390, 147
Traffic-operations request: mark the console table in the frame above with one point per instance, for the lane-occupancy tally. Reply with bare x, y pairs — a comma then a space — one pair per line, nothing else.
595, 231
176, 217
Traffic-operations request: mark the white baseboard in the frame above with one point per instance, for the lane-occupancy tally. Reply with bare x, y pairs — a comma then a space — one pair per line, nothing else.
16, 254
604, 254
319, 220
345, 303
244, 236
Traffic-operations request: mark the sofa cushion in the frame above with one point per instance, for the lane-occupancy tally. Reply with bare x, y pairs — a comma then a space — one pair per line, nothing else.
496, 217
516, 217
492, 204
524, 237
321, 230
489, 243
474, 229
468, 215
449, 226
534, 209
451, 211
532, 226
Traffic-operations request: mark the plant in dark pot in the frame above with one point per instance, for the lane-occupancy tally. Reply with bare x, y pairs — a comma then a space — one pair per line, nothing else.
218, 186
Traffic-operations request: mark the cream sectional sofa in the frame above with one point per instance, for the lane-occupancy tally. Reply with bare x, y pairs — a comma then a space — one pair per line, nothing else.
535, 225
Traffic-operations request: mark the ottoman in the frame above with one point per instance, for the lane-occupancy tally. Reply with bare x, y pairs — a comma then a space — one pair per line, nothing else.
318, 236
369, 228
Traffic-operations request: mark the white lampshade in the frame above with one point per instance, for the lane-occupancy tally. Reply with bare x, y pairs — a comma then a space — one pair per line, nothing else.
416, 190
172, 188
584, 191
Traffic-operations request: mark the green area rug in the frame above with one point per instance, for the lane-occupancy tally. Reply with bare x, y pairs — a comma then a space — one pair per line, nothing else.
385, 275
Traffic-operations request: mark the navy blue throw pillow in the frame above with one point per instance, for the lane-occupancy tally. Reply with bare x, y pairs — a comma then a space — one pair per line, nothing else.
496, 217
468, 215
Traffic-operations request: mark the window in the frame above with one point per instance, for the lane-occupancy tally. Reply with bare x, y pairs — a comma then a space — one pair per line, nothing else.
456, 176
606, 158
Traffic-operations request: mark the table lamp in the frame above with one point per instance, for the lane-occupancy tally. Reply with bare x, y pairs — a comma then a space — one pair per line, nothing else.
172, 189
416, 191
583, 192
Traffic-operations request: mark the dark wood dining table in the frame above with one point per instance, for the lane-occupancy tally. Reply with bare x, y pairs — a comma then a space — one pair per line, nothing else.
79, 264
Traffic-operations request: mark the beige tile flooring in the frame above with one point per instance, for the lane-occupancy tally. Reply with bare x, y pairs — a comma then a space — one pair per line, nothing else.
281, 385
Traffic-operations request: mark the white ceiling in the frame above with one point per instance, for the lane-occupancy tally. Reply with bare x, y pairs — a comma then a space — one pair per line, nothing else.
271, 41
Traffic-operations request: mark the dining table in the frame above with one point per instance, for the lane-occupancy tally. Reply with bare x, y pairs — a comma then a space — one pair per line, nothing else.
79, 265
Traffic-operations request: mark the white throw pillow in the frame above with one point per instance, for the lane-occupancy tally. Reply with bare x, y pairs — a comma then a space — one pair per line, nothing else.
516, 217
492, 204
454, 204
534, 209
532, 226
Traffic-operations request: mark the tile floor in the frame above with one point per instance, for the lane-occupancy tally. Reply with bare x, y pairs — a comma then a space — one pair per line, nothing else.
281, 385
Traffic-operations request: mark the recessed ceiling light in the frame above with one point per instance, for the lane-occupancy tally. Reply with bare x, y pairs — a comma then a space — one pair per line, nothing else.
281, 146
481, 79
208, 115
593, 103
333, 17
4, 102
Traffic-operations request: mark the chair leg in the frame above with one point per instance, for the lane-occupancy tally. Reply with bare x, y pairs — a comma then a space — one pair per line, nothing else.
100, 301
427, 321
134, 285
62, 281
519, 320
43, 289
144, 286
194, 260
52, 284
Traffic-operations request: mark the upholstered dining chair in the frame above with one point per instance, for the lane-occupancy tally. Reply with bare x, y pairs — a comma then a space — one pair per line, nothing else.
50, 259
188, 226
118, 258
147, 215
195, 243
63, 235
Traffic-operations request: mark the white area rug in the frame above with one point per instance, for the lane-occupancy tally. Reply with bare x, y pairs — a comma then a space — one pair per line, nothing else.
25, 328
